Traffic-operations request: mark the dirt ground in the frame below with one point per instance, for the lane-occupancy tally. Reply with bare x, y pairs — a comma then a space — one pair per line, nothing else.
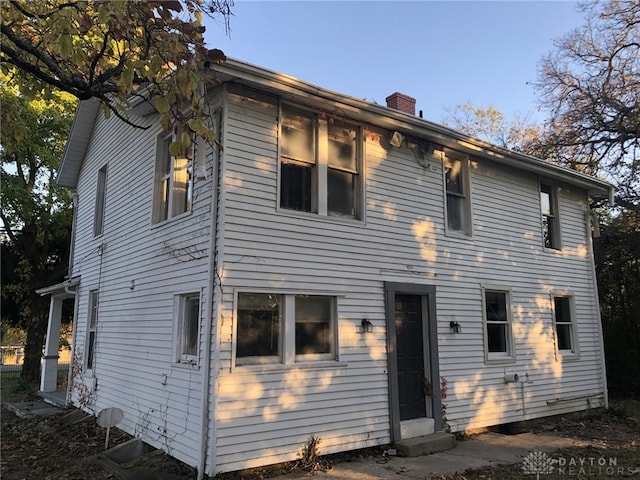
43, 448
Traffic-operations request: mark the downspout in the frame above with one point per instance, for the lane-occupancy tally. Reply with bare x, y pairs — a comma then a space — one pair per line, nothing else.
222, 121
594, 278
74, 328
72, 246
67, 396
208, 408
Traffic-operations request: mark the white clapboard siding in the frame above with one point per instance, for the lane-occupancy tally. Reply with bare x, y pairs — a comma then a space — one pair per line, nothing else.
138, 268
266, 415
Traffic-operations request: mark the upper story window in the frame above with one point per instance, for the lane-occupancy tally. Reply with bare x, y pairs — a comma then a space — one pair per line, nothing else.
458, 200
550, 220
273, 328
173, 191
101, 190
320, 165
498, 330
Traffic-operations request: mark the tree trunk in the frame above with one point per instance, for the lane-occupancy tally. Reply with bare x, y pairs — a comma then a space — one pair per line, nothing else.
36, 333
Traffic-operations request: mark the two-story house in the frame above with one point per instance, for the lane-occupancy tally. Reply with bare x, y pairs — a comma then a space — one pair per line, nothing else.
333, 268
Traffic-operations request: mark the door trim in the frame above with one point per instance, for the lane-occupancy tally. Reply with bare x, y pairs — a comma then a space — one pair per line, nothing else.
430, 340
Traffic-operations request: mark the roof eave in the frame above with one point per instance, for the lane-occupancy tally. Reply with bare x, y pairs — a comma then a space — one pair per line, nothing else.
77, 143
244, 73
62, 289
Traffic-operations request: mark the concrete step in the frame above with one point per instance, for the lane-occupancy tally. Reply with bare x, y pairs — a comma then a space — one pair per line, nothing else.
436, 442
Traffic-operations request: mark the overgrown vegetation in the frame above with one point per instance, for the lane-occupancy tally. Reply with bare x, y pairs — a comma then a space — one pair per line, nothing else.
617, 257
310, 460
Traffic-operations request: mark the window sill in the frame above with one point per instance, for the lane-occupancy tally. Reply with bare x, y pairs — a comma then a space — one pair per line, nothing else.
183, 366
170, 220
281, 367
498, 359
568, 356
320, 218
458, 235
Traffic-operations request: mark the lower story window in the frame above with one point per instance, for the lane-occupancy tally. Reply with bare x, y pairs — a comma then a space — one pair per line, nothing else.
92, 330
313, 325
564, 324
188, 335
497, 316
274, 328
258, 325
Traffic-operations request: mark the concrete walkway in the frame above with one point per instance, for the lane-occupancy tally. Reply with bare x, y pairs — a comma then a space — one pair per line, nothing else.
37, 408
478, 451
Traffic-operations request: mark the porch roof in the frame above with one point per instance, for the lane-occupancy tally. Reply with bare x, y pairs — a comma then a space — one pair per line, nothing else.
60, 290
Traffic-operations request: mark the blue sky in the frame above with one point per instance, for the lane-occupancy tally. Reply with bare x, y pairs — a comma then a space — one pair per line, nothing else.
442, 53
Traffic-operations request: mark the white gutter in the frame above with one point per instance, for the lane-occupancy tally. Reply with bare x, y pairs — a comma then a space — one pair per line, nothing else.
65, 285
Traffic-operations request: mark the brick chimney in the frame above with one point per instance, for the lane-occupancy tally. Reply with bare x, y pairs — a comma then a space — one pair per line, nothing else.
402, 102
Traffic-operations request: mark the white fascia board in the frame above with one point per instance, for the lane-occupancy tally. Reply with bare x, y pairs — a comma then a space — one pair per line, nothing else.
77, 142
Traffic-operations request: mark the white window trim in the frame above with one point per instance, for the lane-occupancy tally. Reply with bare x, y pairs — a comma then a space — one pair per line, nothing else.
179, 315
93, 303
101, 201
574, 353
319, 202
158, 178
557, 221
288, 358
499, 357
467, 231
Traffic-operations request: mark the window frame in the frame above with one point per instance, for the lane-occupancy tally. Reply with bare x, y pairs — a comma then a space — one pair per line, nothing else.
181, 315
509, 356
164, 208
90, 349
574, 351
320, 166
466, 215
259, 359
553, 219
287, 356
317, 356
101, 200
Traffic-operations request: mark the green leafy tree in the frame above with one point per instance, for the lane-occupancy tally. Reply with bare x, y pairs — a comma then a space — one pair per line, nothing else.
490, 125
117, 52
34, 211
